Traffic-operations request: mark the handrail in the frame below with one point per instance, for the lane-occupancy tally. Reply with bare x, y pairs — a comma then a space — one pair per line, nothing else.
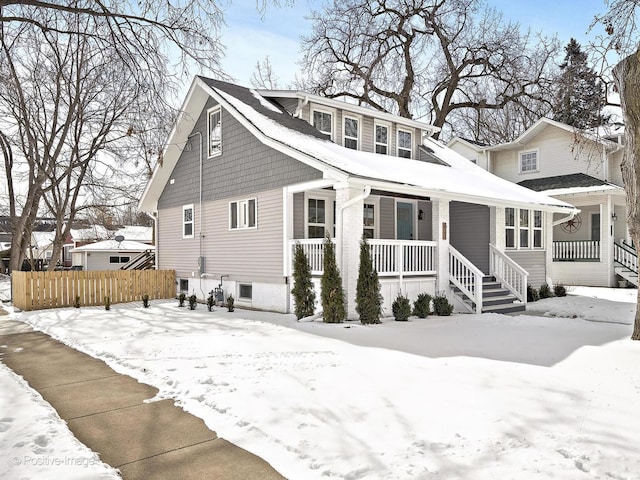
625, 257
509, 273
466, 276
626, 246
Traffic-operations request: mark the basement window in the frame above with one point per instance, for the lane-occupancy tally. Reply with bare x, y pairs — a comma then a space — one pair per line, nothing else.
245, 291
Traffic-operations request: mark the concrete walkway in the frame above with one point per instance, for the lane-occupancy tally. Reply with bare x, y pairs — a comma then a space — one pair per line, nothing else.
106, 411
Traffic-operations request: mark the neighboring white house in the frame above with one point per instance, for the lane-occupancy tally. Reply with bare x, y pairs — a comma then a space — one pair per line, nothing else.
580, 168
246, 175
41, 247
108, 254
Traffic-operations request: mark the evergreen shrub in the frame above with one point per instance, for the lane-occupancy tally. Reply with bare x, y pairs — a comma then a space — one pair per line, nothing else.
401, 308
441, 305
559, 290
422, 305
304, 295
545, 291
334, 309
368, 297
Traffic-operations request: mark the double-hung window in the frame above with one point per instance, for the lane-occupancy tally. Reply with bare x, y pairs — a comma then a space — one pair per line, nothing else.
351, 132
243, 214
404, 143
187, 221
523, 228
323, 122
529, 161
382, 139
316, 218
215, 131
369, 223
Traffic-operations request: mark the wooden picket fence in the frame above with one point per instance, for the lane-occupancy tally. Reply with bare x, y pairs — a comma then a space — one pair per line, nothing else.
38, 290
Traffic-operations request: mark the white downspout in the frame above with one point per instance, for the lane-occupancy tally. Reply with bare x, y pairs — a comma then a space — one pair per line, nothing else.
301, 104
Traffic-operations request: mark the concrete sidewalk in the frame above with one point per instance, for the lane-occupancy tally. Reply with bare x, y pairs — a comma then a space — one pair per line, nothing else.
106, 411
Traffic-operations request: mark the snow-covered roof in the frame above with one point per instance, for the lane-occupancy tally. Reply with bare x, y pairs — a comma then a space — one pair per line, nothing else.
135, 232
90, 233
42, 239
114, 246
457, 180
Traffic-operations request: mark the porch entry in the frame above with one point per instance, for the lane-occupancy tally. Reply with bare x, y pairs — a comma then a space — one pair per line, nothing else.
404, 221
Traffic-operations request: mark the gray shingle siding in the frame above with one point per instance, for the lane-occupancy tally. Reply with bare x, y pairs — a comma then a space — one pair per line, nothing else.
246, 166
387, 218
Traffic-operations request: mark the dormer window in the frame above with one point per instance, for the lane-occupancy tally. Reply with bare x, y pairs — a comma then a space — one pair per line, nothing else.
215, 131
404, 144
323, 121
382, 139
351, 132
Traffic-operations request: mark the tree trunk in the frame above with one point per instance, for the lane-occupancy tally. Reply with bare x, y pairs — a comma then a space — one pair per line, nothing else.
627, 77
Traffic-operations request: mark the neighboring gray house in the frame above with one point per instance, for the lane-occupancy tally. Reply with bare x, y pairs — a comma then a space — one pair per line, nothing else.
581, 168
108, 254
247, 174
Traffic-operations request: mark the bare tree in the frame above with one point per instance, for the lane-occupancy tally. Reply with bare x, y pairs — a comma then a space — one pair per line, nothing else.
263, 76
63, 106
620, 22
426, 58
79, 79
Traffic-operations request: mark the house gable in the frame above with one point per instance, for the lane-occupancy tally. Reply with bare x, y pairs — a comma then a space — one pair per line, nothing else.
245, 166
556, 152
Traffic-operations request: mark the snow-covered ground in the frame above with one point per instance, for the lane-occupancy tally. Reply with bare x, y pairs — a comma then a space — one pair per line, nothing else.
542, 395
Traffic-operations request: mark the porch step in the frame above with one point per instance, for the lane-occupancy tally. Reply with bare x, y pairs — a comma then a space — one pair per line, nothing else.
495, 298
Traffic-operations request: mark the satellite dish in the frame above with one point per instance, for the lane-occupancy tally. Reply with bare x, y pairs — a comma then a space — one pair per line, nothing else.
119, 238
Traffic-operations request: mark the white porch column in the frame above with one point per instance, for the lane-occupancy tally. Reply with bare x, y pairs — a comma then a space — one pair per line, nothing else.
548, 244
348, 235
441, 229
607, 238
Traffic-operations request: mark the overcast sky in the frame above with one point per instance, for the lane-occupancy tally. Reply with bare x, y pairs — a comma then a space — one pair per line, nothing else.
249, 37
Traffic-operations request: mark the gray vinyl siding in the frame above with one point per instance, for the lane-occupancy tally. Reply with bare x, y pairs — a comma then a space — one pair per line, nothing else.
470, 232
244, 167
298, 215
243, 254
533, 261
289, 104
387, 218
424, 226
175, 252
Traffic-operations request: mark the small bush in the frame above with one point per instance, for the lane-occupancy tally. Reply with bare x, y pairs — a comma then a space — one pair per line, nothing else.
401, 308
76, 304
181, 298
559, 290
422, 305
532, 294
441, 305
545, 291
193, 301
107, 303
230, 302
210, 301
145, 300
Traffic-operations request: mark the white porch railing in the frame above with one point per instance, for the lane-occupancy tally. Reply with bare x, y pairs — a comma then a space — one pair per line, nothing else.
466, 276
390, 257
403, 257
625, 256
314, 250
576, 251
509, 273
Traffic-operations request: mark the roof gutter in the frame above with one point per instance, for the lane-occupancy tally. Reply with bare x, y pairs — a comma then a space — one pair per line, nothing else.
565, 219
